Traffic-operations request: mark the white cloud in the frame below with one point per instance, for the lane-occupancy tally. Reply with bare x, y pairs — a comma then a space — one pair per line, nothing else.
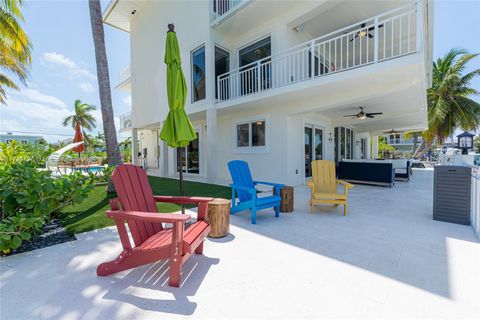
74, 69
127, 100
36, 96
87, 87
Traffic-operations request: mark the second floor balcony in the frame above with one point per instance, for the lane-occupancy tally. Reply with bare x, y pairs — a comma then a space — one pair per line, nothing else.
125, 121
124, 82
380, 38
222, 9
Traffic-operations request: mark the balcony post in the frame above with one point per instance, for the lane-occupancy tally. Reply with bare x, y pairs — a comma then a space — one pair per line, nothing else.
312, 58
375, 41
258, 76
219, 92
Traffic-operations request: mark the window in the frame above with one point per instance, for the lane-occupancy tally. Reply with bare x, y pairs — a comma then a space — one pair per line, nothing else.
251, 134
23, 141
198, 74
8, 141
222, 65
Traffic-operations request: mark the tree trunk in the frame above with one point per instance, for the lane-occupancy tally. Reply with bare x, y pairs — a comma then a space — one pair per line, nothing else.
111, 144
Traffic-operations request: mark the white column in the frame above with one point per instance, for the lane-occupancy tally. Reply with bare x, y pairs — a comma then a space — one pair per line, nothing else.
368, 154
374, 154
163, 148
419, 35
211, 145
135, 147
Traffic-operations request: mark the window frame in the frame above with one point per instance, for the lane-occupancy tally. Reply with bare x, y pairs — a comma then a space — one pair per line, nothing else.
250, 148
203, 45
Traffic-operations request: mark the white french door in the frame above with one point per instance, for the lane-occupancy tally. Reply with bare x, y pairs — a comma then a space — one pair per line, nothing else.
313, 146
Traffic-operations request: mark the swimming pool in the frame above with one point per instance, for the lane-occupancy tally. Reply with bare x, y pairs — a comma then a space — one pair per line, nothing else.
93, 169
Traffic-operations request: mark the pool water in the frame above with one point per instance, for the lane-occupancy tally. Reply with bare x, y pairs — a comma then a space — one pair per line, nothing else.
91, 169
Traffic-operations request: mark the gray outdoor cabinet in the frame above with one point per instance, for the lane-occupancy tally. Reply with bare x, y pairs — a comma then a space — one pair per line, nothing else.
451, 194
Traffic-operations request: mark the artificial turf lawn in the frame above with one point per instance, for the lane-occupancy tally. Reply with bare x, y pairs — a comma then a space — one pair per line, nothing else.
90, 214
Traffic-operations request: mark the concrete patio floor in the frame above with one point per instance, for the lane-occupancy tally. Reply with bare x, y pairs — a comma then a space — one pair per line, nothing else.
386, 259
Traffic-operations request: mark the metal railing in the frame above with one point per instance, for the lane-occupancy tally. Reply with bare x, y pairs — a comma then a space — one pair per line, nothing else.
124, 75
382, 37
222, 7
126, 120
399, 140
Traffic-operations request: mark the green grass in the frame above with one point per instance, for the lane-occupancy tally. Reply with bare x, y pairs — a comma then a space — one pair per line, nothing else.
90, 214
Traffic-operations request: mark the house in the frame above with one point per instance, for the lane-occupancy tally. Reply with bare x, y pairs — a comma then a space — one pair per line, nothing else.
276, 83
402, 143
23, 139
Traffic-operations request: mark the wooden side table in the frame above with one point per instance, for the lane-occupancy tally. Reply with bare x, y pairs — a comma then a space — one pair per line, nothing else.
286, 203
219, 217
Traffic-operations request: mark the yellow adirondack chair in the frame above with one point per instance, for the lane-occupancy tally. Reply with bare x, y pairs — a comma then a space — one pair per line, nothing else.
324, 185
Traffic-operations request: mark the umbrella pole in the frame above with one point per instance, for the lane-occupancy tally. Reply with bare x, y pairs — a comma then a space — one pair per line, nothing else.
179, 165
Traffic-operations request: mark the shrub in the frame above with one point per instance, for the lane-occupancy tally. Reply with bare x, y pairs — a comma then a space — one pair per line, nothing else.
14, 152
29, 197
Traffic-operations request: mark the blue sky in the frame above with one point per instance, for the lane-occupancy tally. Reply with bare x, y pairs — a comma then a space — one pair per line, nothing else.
64, 62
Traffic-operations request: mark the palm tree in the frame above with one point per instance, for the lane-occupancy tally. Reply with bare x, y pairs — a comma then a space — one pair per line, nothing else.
449, 105
127, 143
81, 116
15, 47
113, 151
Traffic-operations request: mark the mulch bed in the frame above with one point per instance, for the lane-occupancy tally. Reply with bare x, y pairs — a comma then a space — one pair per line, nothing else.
52, 233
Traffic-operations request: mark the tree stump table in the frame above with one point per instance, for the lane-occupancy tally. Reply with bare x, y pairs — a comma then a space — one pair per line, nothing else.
286, 202
219, 217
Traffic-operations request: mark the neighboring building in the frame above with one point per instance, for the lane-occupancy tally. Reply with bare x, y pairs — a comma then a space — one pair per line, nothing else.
270, 82
402, 144
9, 137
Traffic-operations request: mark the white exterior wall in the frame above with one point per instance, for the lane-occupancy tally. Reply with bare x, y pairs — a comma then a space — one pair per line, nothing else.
283, 161
148, 71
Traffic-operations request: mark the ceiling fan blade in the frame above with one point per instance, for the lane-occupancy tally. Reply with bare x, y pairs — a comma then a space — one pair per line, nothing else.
351, 115
373, 27
374, 113
370, 36
370, 116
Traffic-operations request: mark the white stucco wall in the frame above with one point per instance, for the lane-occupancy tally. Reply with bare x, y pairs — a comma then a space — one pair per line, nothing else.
148, 71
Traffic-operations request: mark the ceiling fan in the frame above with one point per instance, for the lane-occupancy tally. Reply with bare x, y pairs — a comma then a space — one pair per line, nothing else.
365, 32
362, 115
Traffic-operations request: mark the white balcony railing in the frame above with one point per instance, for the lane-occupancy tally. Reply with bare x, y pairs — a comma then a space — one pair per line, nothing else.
223, 7
126, 121
386, 36
398, 140
124, 75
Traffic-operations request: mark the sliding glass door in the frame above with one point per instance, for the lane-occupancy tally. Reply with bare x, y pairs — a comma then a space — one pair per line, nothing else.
343, 143
190, 156
313, 147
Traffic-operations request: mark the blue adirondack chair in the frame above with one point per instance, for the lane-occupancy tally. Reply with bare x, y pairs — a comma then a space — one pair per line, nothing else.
244, 186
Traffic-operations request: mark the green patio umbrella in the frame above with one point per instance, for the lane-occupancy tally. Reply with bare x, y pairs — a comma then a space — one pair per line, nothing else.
177, 130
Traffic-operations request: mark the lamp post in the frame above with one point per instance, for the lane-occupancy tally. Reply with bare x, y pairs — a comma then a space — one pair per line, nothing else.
465, 142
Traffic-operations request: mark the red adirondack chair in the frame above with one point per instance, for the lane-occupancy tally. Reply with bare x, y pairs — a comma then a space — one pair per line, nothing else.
152, 241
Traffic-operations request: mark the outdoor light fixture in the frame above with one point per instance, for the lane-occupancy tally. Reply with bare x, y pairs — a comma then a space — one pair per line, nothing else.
465, 142
330, 138
444, 149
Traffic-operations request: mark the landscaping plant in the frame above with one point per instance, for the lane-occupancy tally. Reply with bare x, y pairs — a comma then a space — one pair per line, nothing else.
29, 197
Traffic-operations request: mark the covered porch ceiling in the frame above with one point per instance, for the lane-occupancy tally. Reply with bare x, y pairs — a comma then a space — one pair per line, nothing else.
334, 15
401, 110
